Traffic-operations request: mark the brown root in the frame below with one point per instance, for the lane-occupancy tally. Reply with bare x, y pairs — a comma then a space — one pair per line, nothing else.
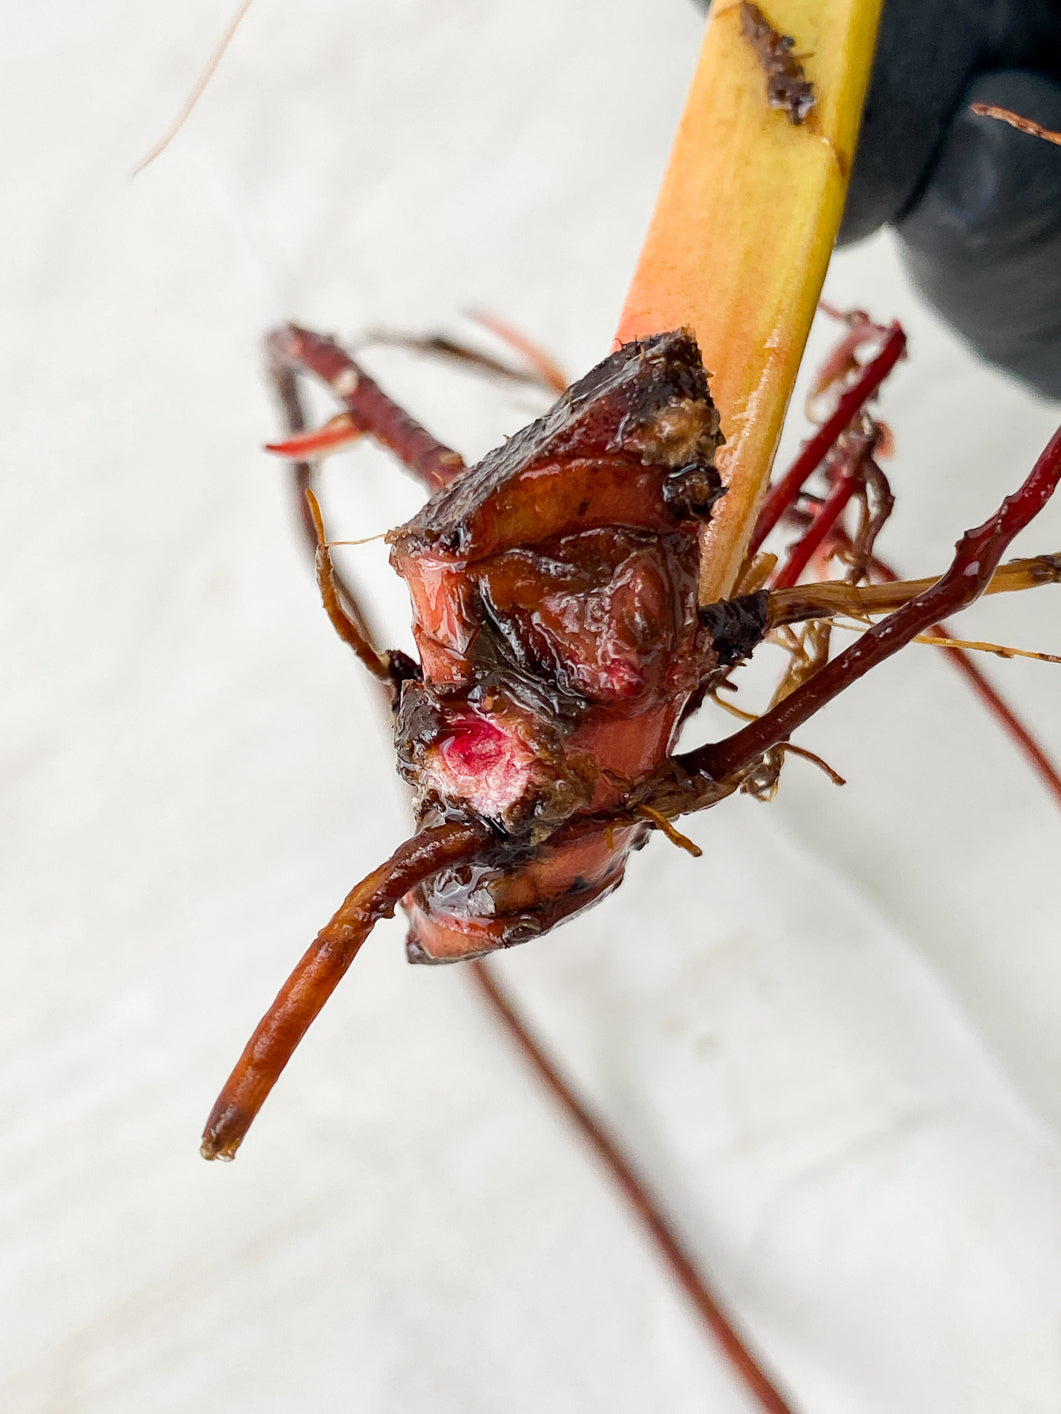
319, 972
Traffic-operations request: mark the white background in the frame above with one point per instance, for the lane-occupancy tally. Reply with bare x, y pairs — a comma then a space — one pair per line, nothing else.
832, 1042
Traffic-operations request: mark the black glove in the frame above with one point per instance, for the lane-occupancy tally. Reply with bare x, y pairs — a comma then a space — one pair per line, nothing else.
976, 205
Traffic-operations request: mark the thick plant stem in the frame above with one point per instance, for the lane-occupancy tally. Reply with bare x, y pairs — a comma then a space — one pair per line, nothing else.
742, 232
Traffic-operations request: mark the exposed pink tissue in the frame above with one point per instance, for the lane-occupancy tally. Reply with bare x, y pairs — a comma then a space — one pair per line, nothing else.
484, 764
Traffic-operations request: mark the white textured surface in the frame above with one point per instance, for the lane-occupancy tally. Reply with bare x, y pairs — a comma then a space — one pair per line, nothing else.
832, 1042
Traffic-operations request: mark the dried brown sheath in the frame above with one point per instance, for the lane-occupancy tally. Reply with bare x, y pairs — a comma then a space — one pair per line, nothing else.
787, 86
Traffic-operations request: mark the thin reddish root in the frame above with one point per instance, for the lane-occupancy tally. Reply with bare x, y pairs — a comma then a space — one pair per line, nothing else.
635, 1193
976, 558
545, 366
337, 432
1004, 713
348, 629
800, 557
784, 493
842, 362
319, 972
992, 699
440, 346
1023, 125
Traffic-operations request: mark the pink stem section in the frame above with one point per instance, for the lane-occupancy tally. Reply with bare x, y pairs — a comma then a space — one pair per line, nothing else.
636, 1195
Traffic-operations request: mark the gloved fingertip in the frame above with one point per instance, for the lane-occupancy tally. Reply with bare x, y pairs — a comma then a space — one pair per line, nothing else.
983, 241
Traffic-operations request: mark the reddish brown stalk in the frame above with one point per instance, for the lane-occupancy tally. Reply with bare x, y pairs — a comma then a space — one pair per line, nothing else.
635, 1193
369, 407
319, 972
784, 493
977, 556
824, 520
996, 704
345, 624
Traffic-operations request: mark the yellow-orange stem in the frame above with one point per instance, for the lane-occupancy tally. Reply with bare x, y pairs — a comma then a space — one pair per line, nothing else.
743, 228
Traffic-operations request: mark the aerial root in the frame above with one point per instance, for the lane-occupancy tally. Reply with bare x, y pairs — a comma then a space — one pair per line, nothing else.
319, 972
